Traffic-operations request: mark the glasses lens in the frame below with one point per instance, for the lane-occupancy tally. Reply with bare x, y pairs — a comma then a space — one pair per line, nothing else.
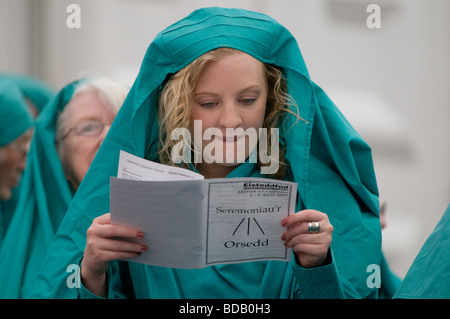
89, 128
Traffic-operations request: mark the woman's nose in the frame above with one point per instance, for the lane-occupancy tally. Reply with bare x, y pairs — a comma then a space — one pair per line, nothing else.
104, 132
230, 116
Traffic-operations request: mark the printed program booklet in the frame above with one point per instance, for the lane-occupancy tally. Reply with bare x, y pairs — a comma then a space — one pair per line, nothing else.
192, 222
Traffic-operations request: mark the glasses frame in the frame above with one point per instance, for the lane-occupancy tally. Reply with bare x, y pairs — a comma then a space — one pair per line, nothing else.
74, 128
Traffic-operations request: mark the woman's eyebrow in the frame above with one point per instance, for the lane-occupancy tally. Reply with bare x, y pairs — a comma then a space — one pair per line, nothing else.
255, 87
86, 118
206, 93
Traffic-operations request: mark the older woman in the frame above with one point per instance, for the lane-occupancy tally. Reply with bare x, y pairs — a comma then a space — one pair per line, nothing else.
83, 124
15, 134
68, 134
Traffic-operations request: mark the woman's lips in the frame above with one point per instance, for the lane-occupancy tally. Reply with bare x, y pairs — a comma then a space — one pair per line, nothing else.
233, 138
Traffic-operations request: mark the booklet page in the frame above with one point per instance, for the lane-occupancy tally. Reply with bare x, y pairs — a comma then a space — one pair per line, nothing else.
191, 222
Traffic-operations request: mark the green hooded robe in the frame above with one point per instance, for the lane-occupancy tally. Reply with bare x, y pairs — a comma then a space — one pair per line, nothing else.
330, 162
44, 199
429, 275
15, 119
35, 90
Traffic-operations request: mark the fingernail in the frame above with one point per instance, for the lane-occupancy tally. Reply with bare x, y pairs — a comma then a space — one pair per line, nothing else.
140, 235
284, 222
144, 247
283, 237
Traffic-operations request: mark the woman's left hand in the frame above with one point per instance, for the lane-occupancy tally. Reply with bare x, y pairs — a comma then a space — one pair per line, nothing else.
311, 248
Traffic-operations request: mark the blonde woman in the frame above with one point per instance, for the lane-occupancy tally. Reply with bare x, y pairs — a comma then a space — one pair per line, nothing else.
187, 78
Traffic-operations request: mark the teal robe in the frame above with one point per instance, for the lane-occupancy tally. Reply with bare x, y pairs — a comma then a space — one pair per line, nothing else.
330, 162
44, 199
389, 280
35, 90
15, 119
429, 275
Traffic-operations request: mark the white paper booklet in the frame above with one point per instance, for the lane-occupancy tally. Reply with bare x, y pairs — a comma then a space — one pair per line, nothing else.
191, 222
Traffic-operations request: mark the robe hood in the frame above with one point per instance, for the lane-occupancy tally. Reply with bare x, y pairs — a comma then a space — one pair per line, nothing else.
32, 88
14, 114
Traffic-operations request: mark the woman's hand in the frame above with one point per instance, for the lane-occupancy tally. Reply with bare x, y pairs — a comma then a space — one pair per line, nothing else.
106, 242
311, 248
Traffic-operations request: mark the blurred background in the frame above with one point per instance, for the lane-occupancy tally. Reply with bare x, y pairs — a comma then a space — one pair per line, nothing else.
391, 80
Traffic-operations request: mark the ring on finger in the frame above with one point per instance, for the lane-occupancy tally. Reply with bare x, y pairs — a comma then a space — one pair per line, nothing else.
313, 227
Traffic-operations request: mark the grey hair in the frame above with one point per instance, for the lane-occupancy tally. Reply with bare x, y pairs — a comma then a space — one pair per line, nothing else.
110, 92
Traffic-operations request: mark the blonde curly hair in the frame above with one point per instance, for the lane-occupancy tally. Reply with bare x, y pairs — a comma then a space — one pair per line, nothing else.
176, 100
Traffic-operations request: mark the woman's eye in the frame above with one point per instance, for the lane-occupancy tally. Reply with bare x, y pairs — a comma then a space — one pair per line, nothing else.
248, 101
208, 104
88, 128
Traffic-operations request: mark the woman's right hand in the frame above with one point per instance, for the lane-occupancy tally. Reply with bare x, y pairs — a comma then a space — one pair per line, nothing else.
106, 242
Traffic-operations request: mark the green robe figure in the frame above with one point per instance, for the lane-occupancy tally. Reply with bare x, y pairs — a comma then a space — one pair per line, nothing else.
36, 92
44, 199
327, 158
15, 120
429, 275
68, 133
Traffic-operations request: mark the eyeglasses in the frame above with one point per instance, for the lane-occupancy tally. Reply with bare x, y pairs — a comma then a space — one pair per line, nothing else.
87, 128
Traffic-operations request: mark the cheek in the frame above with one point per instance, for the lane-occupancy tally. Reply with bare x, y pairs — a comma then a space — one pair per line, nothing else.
207, 117
4, 173
78, 158
8, 172
80, 165
255, 117
9, 160
201, 124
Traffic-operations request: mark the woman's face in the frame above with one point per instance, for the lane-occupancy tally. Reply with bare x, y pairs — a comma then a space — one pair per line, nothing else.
79, 149
230, 96
13, 157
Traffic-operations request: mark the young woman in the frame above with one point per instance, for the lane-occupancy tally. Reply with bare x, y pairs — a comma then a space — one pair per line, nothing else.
258, 81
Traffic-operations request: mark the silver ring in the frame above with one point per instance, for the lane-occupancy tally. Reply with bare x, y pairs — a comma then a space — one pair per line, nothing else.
313, 227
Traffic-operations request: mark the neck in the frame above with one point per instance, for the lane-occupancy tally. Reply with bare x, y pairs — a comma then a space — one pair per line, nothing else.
209, 171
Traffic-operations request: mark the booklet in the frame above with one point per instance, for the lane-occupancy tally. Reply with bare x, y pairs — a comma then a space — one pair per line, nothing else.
192, 222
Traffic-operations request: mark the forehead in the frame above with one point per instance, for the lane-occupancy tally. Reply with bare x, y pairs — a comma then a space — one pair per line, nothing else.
86, 105
234, 59
238, 69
